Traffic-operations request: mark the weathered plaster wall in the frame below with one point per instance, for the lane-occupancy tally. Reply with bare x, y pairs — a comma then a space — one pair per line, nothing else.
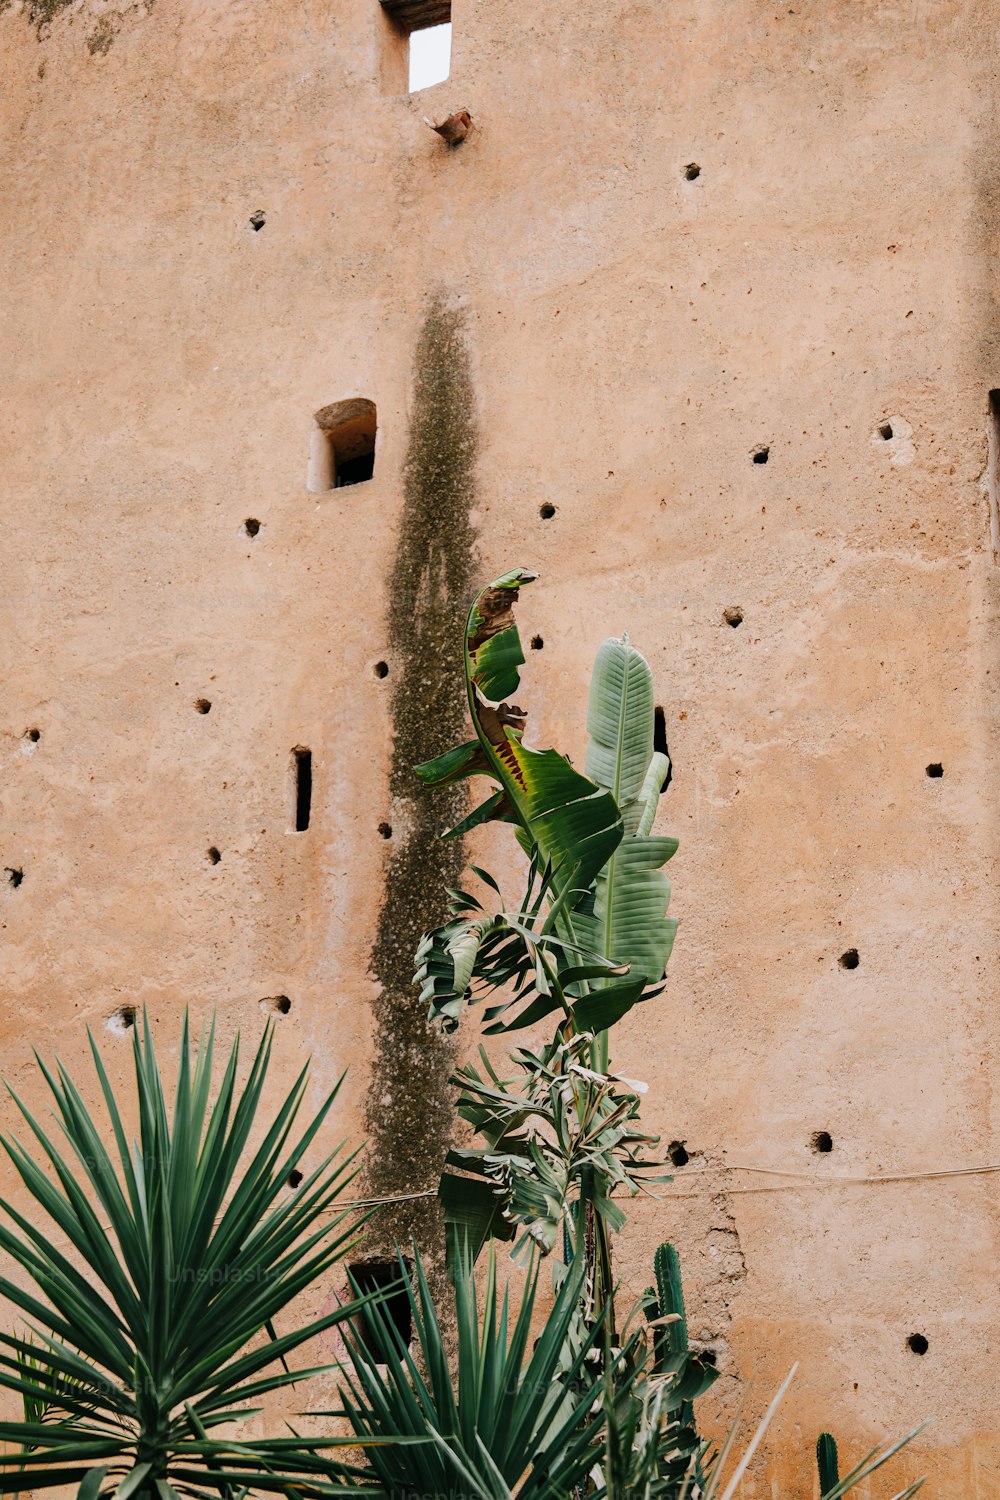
552, 312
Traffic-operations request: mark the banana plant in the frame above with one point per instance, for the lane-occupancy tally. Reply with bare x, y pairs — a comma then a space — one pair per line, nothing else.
587, 941
151, 1274
623, 916
595, 909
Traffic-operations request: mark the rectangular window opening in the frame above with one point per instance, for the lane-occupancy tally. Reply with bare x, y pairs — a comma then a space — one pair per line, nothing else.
342, 445
417, 45
430, 56
993, 471
302, 785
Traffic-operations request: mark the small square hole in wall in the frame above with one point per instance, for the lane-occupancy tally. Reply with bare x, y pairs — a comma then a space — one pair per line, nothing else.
386, 1279
342, 445
416, 45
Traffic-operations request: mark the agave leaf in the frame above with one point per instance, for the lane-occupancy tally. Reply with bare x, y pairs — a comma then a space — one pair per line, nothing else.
90, 1488
510, 1419
201, 1246
567, 820
133, 1479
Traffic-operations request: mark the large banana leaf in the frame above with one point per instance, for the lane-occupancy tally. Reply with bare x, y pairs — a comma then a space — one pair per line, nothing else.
598, 913
623, 918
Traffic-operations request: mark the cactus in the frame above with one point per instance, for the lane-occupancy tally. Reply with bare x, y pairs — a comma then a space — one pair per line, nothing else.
670, 1344
672, 1339
826, 1459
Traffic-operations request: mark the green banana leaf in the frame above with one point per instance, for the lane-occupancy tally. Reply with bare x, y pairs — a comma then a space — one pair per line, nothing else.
623, 917
473, 1211
569, 822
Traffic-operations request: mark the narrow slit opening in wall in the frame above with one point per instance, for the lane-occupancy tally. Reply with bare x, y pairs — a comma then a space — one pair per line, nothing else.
993, 470
342, 445
380, 1276
660, 744
302, 785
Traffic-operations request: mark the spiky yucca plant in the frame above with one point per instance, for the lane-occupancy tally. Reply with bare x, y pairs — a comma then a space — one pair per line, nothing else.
154, 1272
515, 1417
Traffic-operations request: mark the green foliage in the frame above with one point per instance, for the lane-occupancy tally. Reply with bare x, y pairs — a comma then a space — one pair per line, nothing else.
672, 1336
516, 951
623, 916
511, 1419
588, 940
671, 1355
179, 1256
567, 821
826, 1462
547, 1130
575, 1416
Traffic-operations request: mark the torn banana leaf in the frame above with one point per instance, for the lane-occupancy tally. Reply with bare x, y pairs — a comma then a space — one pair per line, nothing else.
473, 1212
569, 822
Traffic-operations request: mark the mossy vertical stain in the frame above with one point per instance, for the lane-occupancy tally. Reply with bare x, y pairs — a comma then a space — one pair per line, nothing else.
410, 1112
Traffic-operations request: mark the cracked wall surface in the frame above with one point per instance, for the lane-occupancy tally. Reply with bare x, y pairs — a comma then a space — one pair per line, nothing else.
642, 331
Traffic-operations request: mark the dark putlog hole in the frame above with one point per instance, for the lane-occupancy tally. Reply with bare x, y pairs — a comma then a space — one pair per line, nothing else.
387, 1280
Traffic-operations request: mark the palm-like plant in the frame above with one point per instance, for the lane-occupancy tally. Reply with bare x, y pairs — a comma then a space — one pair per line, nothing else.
512, 1419
179, 1254
595, 907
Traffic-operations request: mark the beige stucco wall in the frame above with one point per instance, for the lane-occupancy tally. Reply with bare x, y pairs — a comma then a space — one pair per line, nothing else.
552, 312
